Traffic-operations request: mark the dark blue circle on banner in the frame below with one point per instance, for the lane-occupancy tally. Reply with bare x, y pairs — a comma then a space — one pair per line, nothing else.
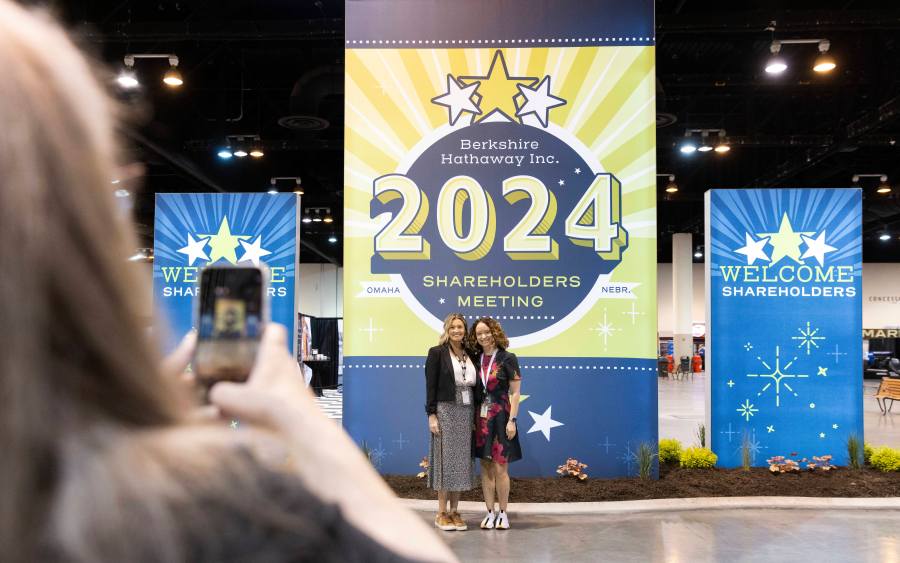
526, 294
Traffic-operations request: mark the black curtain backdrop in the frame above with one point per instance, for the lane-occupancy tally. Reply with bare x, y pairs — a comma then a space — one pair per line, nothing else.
325, 340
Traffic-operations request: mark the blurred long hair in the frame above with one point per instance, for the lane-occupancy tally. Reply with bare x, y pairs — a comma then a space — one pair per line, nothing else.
74, 354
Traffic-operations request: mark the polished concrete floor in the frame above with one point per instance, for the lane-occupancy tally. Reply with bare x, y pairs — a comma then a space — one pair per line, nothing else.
693, 536
682, 403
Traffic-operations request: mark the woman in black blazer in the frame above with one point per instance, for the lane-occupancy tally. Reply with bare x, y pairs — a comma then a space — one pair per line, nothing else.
449, 403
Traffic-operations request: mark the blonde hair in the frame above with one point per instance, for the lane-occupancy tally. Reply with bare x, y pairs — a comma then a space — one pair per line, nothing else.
94, 438
448, 320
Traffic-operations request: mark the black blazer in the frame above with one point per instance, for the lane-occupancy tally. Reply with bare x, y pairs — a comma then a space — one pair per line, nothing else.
509, 369
440, 383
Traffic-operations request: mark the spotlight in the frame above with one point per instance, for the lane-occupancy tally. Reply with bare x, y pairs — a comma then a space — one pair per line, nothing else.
824, 62
883, 187
273, 191
225, 153
127, 79
704, 148
885, 236
688, 147
328, 218
671, 187
306, 218
332, 239
723, 145
121, 193
240, 153
299, 189
317, 218
173, 78
698, 254
775, 64
256, 152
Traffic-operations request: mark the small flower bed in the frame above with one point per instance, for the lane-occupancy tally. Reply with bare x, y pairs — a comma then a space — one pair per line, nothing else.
573, 468
780, 464
669, 451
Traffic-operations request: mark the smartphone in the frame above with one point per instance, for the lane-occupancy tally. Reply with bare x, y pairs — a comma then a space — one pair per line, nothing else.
232, 310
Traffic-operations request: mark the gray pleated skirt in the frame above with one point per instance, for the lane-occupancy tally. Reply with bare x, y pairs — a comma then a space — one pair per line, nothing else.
450, 463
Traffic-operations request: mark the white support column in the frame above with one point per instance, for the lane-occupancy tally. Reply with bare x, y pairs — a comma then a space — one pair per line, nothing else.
682, 294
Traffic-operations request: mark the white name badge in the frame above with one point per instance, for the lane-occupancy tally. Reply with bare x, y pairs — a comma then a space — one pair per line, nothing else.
484, 409
466, 396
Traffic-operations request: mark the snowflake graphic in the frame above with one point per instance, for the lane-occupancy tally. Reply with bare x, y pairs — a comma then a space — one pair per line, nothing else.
808, 338
776, 375
747, 409
377, 455
605, 329
748, 346
628, 457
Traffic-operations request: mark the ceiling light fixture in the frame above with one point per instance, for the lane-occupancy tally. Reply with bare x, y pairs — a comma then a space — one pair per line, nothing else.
298, 189
332, 239
775, 64
883, 186
698, 252
173, 78
127, 78
722, 147
240, 153
884, 236
671, 187
328, 218
316, 217
704, 144
824, 62
306, 218
688, 146
225, 153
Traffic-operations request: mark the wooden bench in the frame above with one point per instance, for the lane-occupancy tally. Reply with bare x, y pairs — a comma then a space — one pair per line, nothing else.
889, 390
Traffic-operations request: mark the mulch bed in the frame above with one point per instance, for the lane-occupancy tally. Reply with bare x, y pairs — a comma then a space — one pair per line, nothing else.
675, 482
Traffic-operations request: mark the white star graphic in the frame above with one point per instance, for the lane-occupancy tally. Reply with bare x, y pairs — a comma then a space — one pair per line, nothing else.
543, 423
441, 300
194, 249
457, 99
753, 250
538, 101
562, 182
253, 252
816, 248
578, 170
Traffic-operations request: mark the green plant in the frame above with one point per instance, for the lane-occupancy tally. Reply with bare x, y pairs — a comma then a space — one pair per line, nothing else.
745, 452
867, 453
573, 468
367, 451
885, 459
698, 458
669, 450
645, 457
701, 435
854, 451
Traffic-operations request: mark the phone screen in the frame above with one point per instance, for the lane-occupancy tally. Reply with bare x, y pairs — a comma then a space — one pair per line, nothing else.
229, 324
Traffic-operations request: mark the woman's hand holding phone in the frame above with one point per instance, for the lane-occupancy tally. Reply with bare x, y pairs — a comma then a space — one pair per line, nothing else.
329, 462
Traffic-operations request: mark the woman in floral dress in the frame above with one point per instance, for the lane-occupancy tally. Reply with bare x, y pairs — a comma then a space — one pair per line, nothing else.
496, 437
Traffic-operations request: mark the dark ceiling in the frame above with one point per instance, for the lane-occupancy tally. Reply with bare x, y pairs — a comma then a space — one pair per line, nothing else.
265, 68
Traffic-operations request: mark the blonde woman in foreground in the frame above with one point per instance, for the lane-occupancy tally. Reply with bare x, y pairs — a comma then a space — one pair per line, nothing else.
101, 460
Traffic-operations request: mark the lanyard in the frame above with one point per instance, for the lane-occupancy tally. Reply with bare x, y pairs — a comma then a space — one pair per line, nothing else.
484, 375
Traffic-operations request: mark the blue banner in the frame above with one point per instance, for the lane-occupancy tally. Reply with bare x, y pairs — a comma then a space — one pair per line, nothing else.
784, 346
194, 230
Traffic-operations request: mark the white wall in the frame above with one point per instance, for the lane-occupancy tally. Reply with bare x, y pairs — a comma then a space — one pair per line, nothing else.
665, 321
881, 296
321, 290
